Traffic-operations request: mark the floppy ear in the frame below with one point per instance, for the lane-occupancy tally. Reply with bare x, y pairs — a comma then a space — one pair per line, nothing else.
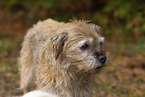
58, 42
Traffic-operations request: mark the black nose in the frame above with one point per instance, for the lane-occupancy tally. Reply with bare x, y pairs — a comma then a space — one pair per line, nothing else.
101, 58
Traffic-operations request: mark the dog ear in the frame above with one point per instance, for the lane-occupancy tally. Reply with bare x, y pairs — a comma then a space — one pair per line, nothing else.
58, 42
96, 28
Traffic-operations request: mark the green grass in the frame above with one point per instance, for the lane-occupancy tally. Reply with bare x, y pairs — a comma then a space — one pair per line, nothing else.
6, 48
116, 80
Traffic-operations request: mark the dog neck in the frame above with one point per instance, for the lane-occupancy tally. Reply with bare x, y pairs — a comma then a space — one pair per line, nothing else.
75, 84
80, 84
65, 83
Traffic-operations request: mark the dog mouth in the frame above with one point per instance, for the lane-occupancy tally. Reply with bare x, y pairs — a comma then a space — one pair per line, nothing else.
99, 68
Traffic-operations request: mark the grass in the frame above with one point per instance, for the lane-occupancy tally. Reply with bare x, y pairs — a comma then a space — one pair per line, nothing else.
9, 52
124, 77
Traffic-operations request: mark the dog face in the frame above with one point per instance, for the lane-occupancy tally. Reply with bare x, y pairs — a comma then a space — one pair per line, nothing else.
80, 46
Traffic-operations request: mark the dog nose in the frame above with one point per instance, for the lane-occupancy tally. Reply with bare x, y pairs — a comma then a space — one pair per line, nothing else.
101, 57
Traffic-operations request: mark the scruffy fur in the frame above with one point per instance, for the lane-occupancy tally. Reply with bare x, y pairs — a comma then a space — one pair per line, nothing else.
54, 58
38, 93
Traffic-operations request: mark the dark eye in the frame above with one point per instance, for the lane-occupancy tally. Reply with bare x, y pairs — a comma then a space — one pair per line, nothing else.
101, 43
85, 47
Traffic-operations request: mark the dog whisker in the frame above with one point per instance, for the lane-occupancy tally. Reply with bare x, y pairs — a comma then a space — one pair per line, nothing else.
61, 58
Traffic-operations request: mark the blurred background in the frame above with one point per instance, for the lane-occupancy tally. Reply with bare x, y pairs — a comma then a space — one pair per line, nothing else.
123, 22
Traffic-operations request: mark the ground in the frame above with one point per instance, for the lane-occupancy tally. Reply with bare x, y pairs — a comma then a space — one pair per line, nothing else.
124, 77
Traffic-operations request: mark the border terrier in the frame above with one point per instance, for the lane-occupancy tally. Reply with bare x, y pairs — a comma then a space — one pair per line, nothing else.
62, 58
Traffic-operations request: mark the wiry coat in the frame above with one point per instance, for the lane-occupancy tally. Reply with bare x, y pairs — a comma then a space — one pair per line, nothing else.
47, 64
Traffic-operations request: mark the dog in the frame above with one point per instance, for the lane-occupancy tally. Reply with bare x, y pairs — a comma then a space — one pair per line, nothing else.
62, 58
38, 93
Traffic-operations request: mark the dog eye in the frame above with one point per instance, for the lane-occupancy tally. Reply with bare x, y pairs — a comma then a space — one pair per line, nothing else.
101, 43
85, 47
101, 40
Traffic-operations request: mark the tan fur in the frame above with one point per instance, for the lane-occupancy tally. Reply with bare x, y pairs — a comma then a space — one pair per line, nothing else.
52, 61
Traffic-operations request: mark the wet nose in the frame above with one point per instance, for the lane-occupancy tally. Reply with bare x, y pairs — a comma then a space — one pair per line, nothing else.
101, 58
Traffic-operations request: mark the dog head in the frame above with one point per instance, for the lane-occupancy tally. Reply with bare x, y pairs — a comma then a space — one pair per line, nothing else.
79, 45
